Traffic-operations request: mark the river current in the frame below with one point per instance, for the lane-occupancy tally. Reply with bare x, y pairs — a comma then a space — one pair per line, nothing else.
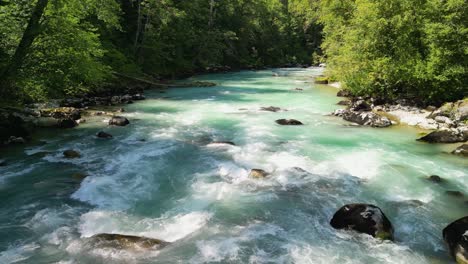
160, 178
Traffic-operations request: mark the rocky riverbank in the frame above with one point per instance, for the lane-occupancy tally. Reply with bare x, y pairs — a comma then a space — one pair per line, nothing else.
446, 124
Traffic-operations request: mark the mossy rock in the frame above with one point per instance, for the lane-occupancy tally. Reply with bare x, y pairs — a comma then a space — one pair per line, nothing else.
321, 80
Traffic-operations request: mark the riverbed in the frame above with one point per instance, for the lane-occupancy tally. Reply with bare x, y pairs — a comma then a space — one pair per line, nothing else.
160, 177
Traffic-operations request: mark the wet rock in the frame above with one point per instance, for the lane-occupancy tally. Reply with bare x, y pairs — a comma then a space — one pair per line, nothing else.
81, 121
138, 97
3, 163
289, 122
67, 123
15, 123
127, 242
344, 102
119, 121
456, 237
344, 93
103, 134
339, 112
222, 143
435, 179
61, 113
455, 193
15, 140
298, 89
363, 218
366, 118
461, 151
79, 176
258, 173
446, 136
270, 109
71, 154
360, 105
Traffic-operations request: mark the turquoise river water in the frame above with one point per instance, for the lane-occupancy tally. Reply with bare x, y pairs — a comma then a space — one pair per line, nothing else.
174, 186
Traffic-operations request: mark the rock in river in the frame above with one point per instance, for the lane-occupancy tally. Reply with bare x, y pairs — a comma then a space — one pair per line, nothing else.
220, 143
289, 122
363, 218
119, 121
270, 109
446, 136
366, 118
71, 154
119, 241
258, 173
103, 134
435, 179
461, 151
456, 237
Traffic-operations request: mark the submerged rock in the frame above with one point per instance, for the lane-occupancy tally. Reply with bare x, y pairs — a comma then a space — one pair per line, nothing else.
119, 121
289, 122
103, 134
456, 237
119, 241
71, 154
258, 173
446, 136
271, 109
363, 218
214, 143
462, 150
366, 118
435, 179
455, 193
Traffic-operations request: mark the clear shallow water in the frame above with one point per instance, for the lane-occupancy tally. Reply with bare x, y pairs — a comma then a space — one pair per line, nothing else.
176, 188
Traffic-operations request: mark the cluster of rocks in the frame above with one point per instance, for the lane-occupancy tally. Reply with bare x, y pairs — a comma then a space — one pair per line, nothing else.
449, 122
370, 219
101, 100
359, 111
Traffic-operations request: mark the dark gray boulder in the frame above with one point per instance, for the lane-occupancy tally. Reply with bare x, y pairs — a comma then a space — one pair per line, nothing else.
456, 237
118, 121
363, 218
103, 134
446, 136
288, 122
271, 109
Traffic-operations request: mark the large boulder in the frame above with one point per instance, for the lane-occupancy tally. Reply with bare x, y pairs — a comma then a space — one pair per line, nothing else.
461, 151
128, 242
456, 237
288, 122
118, 121
14, 123
363, 218
446, 136
366, 118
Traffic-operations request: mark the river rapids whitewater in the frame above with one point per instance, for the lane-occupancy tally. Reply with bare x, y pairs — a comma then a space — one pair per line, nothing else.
173, 186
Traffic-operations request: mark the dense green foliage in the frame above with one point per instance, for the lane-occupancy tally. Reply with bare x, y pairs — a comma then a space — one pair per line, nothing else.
416, 49
80, 43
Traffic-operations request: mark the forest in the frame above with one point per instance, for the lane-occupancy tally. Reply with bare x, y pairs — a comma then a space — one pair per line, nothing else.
388, 49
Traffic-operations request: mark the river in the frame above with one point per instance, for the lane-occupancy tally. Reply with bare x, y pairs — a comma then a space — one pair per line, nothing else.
158, 178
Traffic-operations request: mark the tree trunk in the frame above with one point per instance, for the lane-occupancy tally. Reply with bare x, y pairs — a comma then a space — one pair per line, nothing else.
30, 33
